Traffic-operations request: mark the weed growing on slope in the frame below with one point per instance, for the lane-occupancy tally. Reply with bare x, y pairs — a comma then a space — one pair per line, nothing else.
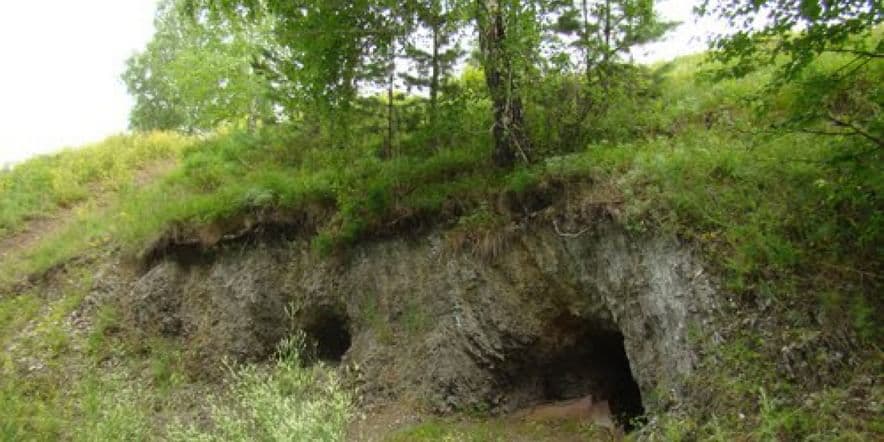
780, 209
43, 185
285, 402
49, 390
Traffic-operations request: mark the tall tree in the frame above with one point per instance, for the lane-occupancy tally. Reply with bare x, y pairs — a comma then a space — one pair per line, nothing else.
389, 29
324, 42
604, 30
158, 104
500, 24
318, 53
197, 74
435, 56
593, 38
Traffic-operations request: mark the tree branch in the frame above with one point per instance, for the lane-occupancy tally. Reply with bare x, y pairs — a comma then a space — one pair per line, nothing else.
857, 52
858, 130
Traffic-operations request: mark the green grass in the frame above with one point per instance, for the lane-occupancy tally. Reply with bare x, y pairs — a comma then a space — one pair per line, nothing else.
347, 194
284, 402
762, 210
90, 181
49, 390
91, 408
43, 185
768, 203
788, 220
58, 382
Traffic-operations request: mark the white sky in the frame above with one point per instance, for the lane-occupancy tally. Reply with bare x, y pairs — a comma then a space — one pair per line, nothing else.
60, 66
688, 38
61, 60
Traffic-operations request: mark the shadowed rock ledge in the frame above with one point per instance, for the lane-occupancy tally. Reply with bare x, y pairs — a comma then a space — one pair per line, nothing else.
551, 317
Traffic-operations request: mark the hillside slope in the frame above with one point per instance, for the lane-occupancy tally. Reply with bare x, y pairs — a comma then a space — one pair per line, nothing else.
114, 322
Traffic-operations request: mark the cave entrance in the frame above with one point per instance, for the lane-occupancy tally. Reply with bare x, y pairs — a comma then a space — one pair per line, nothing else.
578, 359
328, 333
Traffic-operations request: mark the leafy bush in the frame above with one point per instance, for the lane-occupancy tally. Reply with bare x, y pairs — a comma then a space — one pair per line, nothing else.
286, 402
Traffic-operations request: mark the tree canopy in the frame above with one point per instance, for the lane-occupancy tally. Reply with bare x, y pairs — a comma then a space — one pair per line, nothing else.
313, 62
762, 31
196, 74
790, 35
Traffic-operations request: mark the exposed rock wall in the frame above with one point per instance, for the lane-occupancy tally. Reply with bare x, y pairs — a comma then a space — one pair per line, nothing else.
452, 331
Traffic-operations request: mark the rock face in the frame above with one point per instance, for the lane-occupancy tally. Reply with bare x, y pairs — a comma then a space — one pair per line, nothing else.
549, 318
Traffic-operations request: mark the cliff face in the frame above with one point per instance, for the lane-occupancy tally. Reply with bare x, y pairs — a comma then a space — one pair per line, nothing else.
550, 317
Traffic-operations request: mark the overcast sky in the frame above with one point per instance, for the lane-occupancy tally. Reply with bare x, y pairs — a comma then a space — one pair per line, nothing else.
62, 59
60, 70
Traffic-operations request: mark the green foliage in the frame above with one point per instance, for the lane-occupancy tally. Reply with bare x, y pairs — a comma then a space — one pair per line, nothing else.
241, 173
564, 114
323, 58
754, 402
767, 212
603, 31
107, 322
440, 20
289, 402
198, 73
831, 51
47, 184
112, 386
767, 204
91, 409
764, 30
50, 391
317, 54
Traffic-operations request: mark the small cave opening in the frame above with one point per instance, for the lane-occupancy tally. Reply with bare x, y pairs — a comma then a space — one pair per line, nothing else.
579, 359
328, 334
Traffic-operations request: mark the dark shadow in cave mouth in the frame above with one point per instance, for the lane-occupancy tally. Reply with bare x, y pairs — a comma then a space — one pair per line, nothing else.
328, 334
579, 359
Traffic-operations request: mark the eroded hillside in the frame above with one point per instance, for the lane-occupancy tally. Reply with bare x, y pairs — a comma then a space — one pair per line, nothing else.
701, 279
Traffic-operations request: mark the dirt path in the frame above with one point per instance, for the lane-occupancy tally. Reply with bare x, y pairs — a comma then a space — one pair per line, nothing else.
37, 229
566, 421
34, 231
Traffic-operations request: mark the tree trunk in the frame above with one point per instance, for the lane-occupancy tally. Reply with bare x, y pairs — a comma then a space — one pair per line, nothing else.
606, 57
434, 84
252, 121
587, 54
510, 140
391, 111
574, 131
